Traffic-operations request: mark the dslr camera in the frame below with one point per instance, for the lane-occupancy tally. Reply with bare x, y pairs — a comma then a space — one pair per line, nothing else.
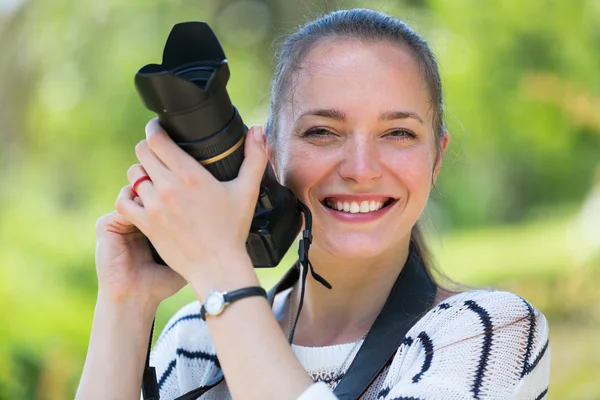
188, 93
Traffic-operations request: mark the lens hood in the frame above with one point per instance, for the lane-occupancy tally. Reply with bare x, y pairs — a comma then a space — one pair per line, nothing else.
190, 81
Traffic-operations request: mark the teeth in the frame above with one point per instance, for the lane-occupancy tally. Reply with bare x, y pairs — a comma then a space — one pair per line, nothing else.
364, 206
354, 207
374, 205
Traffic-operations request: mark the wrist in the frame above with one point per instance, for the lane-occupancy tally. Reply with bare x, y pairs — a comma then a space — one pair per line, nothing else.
235, 271
137, 307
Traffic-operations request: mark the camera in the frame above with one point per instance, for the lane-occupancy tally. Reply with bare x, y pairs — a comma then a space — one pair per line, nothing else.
188, 93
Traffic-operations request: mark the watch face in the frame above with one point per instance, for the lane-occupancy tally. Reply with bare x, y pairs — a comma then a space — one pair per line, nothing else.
214, 303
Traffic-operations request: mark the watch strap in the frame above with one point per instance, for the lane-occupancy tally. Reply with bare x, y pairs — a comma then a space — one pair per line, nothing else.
238, 294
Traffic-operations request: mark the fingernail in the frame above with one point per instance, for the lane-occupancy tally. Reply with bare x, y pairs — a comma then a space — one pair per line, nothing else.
257, 133
152, 127
260, 136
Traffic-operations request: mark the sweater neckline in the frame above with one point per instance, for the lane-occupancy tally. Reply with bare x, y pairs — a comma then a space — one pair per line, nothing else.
335, 348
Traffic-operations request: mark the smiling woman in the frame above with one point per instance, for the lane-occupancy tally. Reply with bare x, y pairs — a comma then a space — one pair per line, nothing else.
359, 129
356, 132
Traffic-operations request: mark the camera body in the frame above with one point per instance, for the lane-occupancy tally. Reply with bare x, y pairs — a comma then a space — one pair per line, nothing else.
188, 93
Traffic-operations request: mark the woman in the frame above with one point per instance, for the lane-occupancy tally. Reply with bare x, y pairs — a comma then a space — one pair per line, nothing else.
356, 131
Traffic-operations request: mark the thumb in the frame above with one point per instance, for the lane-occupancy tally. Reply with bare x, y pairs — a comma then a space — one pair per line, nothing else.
120, 219
114, 222
255, 161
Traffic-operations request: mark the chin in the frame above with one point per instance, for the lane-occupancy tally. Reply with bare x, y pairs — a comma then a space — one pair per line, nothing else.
354, 246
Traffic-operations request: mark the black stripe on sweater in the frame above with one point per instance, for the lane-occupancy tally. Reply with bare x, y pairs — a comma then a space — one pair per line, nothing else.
166, 374
383, 393
333, 380
192, 355
486, 321
529, 337
406, 398
531, 367
176, 322
542, 395
428, 347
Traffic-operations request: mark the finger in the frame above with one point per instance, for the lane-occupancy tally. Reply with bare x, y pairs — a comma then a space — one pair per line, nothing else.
121, 219
152, 164
255, 161
138, 201
106, 222
143, 188
167, 151
129, 209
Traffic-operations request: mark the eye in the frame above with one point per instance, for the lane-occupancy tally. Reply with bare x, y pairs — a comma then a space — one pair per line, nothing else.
401, 134
318, 134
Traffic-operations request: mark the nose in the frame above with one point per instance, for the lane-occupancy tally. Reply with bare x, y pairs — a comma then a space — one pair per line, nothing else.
360, 160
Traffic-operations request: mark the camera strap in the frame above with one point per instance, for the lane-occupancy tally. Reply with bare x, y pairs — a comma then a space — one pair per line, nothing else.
412, 295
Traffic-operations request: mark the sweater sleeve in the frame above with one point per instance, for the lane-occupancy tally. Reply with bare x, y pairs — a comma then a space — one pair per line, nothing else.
492, 345
184, 361
318, 391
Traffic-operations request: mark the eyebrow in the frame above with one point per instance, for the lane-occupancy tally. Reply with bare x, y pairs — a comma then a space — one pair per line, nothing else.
339, 115
327, 113
392, 115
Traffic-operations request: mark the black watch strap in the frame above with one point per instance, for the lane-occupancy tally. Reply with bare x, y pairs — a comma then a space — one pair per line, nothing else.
238, 294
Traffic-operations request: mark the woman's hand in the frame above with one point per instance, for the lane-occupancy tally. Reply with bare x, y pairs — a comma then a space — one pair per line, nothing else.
125, 266
197, 224
130, 287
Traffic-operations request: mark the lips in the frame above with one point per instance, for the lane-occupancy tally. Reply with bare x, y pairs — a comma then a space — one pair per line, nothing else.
357, 205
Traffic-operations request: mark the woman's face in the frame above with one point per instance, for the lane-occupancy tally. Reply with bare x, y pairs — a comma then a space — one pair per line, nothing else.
356, 145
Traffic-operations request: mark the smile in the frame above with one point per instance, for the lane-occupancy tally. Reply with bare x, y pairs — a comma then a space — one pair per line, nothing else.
356, 206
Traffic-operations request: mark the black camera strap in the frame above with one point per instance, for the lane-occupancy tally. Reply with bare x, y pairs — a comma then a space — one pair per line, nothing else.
412, 295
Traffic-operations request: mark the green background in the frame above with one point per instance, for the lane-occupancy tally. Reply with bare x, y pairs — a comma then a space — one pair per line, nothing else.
518, 202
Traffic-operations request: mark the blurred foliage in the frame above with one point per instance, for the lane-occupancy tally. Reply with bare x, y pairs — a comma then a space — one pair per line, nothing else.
523, 107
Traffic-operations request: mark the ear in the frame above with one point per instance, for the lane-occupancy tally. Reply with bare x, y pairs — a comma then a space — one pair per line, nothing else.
270, 147
443, 146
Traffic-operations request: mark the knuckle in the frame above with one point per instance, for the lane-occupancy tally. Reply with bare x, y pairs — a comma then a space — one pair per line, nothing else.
119, 205
119, 202
152, 209
190, 178
140, 146
132, 170
167, 193
102, 222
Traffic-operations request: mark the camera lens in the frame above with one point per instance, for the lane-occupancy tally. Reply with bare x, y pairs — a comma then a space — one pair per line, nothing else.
198, 74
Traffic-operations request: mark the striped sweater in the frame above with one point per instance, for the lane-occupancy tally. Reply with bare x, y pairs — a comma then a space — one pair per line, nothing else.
479, 344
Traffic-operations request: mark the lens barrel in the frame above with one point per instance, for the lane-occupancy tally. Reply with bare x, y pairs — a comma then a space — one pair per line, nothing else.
191, 99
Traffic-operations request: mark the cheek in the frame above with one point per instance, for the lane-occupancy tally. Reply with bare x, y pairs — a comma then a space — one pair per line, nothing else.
300, 168
413, 168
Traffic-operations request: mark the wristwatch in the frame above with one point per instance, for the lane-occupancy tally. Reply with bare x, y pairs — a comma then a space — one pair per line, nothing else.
215, 302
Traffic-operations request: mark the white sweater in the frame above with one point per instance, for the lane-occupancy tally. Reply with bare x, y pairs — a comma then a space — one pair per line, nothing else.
480, 344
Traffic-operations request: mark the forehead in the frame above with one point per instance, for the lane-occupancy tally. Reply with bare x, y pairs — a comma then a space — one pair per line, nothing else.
360, 78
